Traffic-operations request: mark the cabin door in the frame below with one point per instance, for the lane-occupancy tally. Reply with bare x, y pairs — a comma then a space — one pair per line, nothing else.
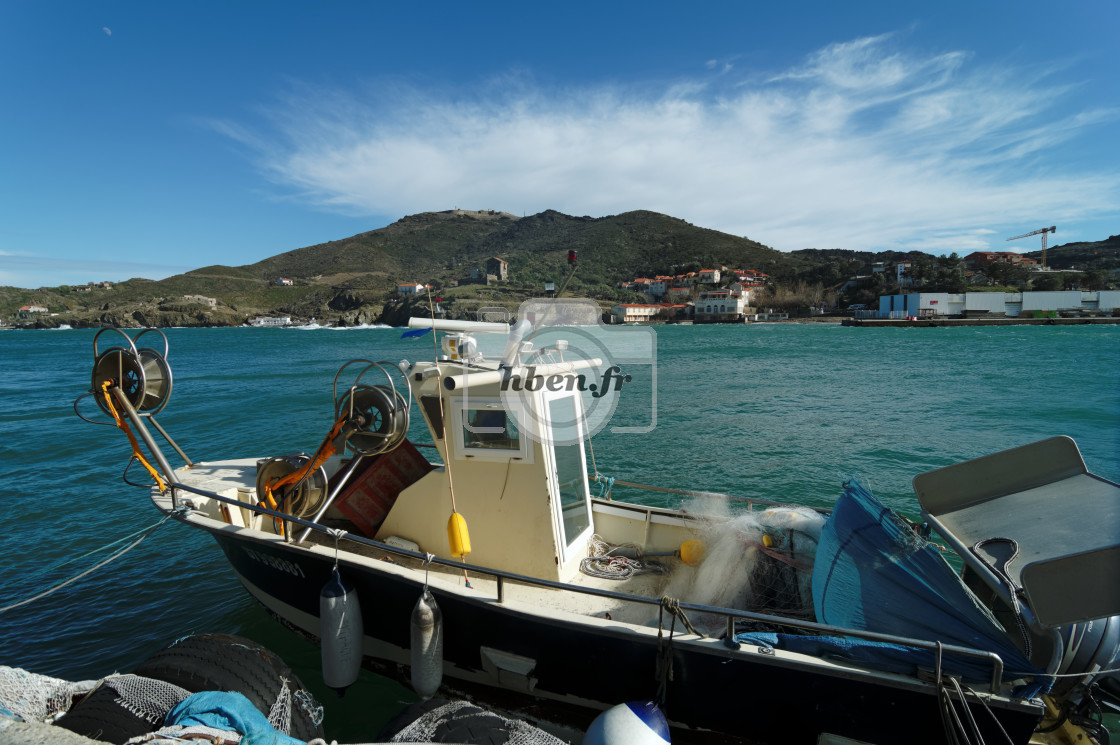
568, 475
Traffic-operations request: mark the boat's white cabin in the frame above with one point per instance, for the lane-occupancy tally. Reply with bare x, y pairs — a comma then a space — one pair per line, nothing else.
515, 464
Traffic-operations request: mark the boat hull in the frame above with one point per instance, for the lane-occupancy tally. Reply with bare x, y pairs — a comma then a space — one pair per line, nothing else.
746, 693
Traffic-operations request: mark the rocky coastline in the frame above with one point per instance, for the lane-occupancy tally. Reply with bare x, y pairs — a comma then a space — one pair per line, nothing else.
351, 311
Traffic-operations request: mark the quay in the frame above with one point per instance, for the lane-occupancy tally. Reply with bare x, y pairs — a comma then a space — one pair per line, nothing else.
945, 321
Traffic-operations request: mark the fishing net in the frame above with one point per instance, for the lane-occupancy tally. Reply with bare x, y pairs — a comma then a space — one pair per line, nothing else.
280, 714
312, 708
459, 721
37, 698
759, 561
147, 698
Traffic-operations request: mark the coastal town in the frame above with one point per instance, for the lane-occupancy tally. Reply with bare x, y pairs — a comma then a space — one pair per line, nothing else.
724, 295
981, 287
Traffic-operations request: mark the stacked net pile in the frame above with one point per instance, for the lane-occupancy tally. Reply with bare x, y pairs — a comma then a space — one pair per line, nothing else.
29, 697
759, 561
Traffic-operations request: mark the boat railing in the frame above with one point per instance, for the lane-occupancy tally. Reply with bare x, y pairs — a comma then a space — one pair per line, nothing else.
750, 502
730, 615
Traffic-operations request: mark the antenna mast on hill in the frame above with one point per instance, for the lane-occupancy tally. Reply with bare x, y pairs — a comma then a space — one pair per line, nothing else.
1042, 232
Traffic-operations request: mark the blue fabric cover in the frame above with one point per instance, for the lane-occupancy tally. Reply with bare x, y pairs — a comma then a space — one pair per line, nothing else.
873, 573
228, 711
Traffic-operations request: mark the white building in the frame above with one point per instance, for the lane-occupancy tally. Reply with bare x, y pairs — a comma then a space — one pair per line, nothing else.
1011, 304
720, 306
633, 313
273, 321
709, 276
411, 289
902, 274
740, 289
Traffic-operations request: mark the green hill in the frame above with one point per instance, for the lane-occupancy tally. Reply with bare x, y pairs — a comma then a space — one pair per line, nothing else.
353, 280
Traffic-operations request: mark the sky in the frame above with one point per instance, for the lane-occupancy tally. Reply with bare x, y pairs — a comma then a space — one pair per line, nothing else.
145, 139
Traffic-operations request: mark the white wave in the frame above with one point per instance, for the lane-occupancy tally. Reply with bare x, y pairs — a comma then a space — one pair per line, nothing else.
363, 326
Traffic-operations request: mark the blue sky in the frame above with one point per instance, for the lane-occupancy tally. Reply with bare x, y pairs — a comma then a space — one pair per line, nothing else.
144, 139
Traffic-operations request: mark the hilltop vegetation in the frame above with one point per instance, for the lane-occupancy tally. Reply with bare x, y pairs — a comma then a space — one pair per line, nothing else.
354, 280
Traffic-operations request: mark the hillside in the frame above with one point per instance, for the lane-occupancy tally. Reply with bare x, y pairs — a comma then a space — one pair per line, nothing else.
1082, 256
353, 280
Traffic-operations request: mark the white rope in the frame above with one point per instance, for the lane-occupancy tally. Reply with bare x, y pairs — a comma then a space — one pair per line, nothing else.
336, 533
601, 564
92, 569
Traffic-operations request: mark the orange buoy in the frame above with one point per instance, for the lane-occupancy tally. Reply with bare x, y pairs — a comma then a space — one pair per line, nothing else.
693, 552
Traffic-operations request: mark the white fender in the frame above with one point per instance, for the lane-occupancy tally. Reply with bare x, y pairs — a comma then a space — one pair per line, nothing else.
427, 646
340, 629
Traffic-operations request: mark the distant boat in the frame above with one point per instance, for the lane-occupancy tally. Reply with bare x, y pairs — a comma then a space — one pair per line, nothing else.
270, 321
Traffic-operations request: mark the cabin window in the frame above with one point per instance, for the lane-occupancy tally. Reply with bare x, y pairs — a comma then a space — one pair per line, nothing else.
434, 414
570, 474
486, 430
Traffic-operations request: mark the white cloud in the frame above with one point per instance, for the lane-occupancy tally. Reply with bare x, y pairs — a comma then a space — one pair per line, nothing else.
862, 146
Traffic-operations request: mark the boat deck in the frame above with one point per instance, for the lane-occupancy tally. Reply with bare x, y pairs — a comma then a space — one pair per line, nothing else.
650, 585
234, 478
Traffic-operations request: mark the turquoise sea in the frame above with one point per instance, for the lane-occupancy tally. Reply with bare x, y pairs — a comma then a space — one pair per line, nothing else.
781, 411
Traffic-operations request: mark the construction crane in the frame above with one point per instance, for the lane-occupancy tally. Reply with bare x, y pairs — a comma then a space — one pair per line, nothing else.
1042, 232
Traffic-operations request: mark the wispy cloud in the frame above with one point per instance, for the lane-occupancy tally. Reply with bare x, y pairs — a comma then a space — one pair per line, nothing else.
862, 145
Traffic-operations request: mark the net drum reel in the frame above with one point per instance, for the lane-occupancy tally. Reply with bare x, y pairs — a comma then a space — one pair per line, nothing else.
302, 498
143, 375
377, 415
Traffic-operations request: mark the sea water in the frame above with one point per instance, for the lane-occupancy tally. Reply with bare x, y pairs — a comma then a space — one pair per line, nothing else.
779, 411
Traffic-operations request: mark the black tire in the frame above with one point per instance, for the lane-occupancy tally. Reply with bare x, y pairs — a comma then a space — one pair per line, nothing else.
98, 716
223, 662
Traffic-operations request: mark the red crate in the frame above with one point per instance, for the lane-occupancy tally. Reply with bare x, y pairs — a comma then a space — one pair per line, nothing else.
370, 497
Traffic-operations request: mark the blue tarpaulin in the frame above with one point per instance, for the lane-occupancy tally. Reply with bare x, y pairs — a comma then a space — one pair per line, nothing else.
228, 711
874, 573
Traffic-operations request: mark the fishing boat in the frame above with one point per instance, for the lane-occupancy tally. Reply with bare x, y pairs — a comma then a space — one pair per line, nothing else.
993, 619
